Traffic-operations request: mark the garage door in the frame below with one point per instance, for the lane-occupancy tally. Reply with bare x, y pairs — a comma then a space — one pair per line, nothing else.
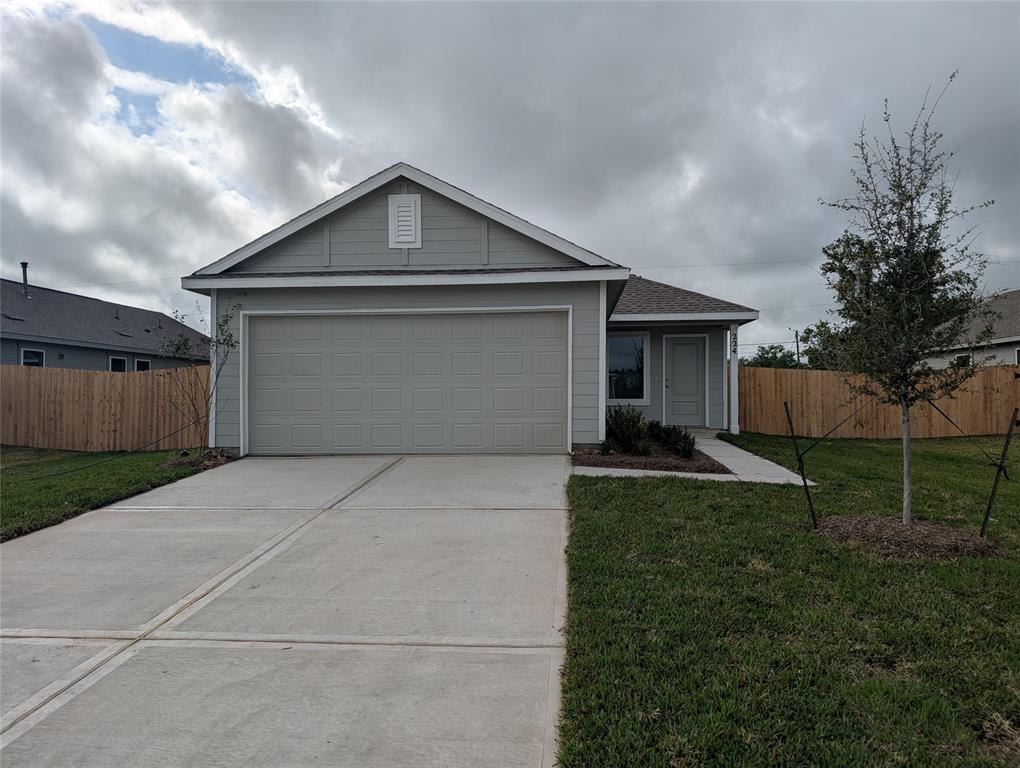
430, 383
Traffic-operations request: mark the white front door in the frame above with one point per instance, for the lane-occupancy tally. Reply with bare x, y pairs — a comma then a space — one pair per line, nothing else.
685, 381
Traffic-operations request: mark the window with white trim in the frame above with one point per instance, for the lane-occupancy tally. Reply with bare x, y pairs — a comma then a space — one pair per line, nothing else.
1016, 356
118, 364
963, 359
626, 368
405, 221
142, 364
33, 358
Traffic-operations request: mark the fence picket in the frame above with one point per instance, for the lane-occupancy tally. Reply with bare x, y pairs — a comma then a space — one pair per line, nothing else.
73, 410
819, 399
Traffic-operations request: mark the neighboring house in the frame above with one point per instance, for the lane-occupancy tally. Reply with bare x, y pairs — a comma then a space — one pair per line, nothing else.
54, 329
406, 315
1003, 348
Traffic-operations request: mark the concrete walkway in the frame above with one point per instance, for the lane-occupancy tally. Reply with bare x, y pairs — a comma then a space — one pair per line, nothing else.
372, 611
744, 466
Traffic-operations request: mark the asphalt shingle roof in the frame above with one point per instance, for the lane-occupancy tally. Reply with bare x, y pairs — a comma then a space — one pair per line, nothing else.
642, 296
1007, 325
69, 317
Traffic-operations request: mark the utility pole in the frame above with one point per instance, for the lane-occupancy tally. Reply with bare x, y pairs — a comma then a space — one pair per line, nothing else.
796, 342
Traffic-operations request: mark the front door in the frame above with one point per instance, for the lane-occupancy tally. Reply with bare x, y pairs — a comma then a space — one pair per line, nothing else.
685, 381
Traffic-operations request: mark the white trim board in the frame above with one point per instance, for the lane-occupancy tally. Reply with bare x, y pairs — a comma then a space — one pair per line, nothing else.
246, 315
682, 316
423, 179
603, 382
214, 324
666, 336
350, 279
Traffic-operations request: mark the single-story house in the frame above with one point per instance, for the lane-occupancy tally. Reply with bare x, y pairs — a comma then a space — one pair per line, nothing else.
1003, 348
406, 315
46, 328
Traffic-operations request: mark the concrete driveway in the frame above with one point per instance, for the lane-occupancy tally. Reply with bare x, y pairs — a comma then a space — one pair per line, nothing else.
369, 611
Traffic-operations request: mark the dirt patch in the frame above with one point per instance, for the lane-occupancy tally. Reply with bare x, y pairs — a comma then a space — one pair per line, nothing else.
661, 460
921, 540
204, 460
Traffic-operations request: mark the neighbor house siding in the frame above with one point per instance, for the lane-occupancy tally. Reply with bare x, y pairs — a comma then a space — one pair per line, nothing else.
83, 358
993, 354
716, 357
453, 236
582, 297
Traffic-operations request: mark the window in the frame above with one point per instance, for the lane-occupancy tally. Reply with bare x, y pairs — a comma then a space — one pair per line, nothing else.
142, 365
34, 358
1016, 355
963, 359
118, 364
625, 362
405, 221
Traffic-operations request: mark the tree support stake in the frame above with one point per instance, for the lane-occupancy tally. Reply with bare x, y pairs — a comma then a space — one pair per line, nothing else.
800, 465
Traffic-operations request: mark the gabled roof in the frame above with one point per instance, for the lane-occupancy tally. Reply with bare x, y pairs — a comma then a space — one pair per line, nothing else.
644, 299
381, 179
50, 315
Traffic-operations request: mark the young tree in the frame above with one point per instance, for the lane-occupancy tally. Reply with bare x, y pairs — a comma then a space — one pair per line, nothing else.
771, 356
189, 375
905, 277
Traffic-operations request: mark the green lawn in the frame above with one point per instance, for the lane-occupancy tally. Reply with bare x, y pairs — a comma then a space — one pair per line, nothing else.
709, 626
27, 504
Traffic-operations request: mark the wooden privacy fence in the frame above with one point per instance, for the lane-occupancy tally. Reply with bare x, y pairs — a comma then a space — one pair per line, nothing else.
820, 399
74, 410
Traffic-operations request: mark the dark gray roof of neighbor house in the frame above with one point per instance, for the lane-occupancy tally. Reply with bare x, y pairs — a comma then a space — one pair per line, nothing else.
58, 316
642, 296
1007, 306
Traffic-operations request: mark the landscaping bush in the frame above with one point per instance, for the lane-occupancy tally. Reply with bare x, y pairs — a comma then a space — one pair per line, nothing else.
676, 438
644, 447
682, 442
655, 431
625, 427
605, 447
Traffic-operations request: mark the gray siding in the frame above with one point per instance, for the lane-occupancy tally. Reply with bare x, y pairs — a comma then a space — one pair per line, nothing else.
83, 358
716, 367
583, 297
358, 238
996, 354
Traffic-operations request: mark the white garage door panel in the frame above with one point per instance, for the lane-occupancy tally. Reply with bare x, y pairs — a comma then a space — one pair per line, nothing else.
492, 382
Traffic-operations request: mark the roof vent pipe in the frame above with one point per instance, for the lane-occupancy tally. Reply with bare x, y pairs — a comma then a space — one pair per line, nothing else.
24, 278
116, 312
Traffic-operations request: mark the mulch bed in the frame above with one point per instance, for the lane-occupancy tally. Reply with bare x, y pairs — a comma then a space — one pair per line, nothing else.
661, 459
205, 459
920, 540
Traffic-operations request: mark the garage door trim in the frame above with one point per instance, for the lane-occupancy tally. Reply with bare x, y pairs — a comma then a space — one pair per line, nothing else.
245, 335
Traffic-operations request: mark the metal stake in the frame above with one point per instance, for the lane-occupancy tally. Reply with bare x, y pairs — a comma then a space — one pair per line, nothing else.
800, 465
999, 471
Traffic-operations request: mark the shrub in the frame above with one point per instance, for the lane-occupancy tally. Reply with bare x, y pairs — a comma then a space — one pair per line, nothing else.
605, 447
655, 431
625, 427
644, 447
681, 442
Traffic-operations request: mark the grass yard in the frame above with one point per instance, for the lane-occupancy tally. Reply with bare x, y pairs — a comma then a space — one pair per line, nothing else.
27, 505
709, 626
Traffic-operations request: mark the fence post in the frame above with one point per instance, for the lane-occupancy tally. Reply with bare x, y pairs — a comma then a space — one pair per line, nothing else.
999, 471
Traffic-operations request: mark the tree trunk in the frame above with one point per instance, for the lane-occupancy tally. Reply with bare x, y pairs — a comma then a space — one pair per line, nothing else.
908, 516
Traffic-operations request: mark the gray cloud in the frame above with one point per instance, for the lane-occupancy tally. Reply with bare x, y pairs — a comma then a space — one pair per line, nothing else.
660, 135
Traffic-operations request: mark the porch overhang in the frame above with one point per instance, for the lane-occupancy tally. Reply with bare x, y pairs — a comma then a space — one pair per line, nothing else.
723, 318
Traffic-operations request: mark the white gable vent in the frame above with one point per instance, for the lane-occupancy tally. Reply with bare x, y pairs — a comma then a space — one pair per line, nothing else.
405, 221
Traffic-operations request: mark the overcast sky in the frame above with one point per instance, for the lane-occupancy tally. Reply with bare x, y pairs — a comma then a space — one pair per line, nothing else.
688, 141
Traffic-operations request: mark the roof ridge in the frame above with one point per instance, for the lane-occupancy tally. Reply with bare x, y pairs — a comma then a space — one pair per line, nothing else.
38, 287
